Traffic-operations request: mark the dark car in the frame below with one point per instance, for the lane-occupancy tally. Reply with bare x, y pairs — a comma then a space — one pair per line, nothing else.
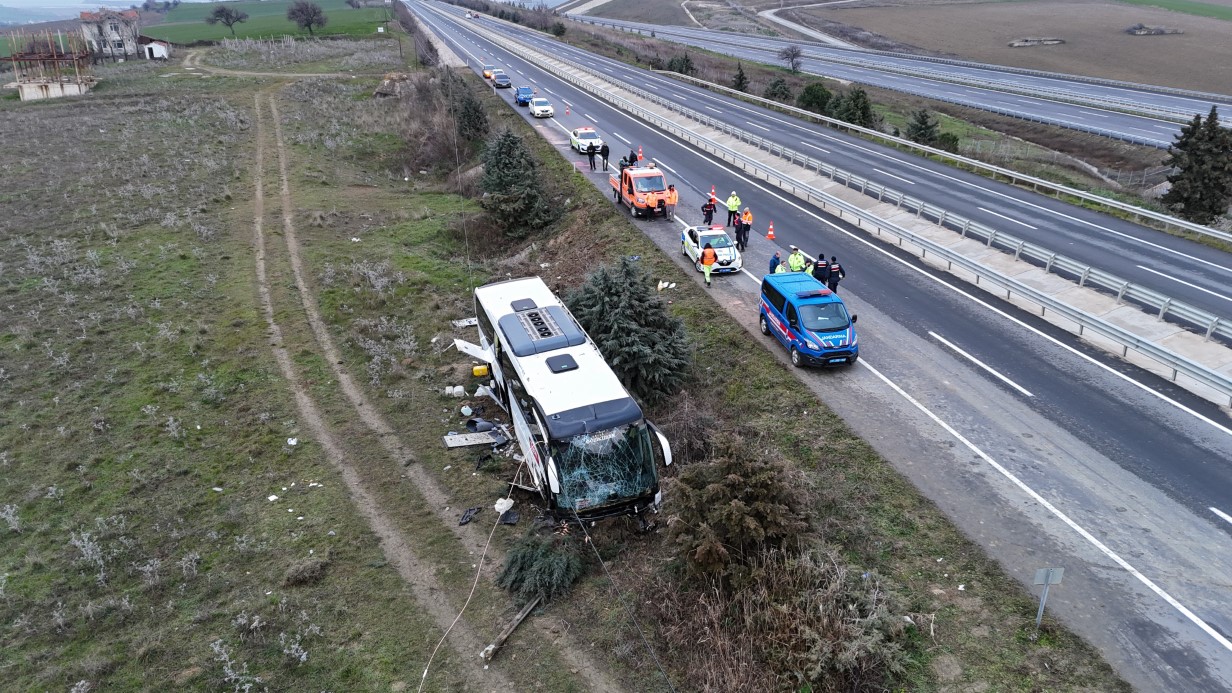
502, 81
523, 95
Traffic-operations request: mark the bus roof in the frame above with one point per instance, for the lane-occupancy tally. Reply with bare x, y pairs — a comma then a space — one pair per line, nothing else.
561, 369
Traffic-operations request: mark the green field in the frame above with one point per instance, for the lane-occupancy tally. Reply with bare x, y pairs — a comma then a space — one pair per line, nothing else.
186, 23
1199, 9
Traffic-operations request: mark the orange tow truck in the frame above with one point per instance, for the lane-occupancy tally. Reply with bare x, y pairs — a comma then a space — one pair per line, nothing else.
643, 188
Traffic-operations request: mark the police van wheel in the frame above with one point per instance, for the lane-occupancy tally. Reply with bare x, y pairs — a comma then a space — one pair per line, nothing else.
765, 329
633, 211
698, 265
796, 359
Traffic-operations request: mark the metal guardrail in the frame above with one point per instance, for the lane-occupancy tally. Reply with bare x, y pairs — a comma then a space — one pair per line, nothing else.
993, 109
1014, 177
1179, 365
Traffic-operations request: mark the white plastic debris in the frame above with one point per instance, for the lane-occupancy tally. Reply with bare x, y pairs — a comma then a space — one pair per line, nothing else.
300, 517
662, 285
467, 411
332, 533
217, 489
292, 441
962, 588
672, 285
198, 427
502, 505
273, 498
354, 239
447, 468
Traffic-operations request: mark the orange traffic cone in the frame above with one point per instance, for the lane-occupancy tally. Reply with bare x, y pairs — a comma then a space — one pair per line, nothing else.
712, 191
566, 110
770, 232
639, 152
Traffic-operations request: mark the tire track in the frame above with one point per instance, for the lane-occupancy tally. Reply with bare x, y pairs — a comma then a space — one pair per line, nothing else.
436, 498
419, 578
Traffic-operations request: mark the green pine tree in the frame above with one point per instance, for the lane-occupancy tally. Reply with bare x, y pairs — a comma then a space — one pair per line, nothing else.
855, 108
778, 90
645, 345
923, 128
815, 97
515, 196
471, 120
741, 81
1202, 184
682, 64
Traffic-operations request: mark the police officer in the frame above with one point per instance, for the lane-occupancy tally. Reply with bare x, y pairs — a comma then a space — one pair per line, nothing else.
837, 273
708, 210
821, 269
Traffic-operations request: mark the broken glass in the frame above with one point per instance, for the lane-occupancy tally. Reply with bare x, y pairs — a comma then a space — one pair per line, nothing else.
605, 467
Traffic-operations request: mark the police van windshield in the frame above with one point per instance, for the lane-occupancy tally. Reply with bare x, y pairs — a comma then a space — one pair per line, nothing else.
605, 467
649, 183
825, 317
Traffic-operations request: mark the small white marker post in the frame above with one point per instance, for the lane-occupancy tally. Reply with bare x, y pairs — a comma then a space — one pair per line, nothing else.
1046, 577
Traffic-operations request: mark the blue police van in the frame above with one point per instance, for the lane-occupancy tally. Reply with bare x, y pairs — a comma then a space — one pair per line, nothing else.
808, 319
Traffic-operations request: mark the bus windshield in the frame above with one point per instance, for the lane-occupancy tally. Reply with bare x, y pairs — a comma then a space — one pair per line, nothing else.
605, 467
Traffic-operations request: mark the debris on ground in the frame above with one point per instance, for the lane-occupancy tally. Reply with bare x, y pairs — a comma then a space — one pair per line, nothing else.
469, 514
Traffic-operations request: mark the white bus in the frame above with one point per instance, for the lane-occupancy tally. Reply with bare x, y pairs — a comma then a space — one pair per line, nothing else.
588, 449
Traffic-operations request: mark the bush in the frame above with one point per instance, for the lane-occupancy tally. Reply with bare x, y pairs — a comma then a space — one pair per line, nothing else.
778, 90
544, 566
728, 511
644, 344
514, 194
815, 97
558, 29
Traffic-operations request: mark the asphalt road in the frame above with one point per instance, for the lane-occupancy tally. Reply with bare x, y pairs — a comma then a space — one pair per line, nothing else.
1176, 267
1039, 98
1045, 452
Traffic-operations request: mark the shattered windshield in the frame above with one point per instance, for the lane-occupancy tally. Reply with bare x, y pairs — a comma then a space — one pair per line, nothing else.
826, 317
605, 467
645, 184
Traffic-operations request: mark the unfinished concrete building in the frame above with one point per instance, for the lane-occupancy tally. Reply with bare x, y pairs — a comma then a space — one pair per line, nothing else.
47, 66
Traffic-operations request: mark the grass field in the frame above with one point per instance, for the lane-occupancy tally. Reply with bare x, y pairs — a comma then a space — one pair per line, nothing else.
1094, 32
173, 520
1198, 9
186, 23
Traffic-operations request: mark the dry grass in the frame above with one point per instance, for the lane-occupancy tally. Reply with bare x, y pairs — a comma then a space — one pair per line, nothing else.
1094, 31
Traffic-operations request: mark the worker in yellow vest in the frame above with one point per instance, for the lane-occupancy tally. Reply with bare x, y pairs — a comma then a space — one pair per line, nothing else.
733, 208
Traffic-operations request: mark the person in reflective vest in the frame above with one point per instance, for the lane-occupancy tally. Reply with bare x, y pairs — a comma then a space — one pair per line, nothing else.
795, 261
672, 198
709, 257
733, 208
742, 230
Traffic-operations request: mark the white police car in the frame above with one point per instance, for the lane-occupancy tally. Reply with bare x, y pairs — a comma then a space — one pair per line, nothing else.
581, 138
541, 108
694, 238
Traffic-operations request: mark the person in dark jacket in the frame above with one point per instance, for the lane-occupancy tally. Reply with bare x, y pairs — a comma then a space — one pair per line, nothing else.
821, 269
837, 273
603, 152
590, 154
775, 262
708, 211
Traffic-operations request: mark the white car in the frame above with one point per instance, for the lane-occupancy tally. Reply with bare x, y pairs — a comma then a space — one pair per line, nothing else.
541, 108
583, 137
694, 238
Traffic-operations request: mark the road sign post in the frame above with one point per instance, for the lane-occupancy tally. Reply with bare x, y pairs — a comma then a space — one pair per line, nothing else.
1046, 577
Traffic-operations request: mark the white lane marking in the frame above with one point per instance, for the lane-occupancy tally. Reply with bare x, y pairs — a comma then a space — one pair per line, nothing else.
651, 86
549, 91
820, 149
1169, 128
1097, 115
981, 364
908, 182
1008, 218
759, 127
1193, 618
588, 117
876, 247
562, 100
1179, 281
617, 136
664, 166
714, 109
1222, 514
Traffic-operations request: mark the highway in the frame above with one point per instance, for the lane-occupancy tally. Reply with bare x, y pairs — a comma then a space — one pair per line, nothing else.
1132, 113
1042, 449
1176, 267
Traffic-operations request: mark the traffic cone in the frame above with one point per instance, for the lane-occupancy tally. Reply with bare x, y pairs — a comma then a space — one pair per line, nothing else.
712, 192
566, 109
639, 152
770, 232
